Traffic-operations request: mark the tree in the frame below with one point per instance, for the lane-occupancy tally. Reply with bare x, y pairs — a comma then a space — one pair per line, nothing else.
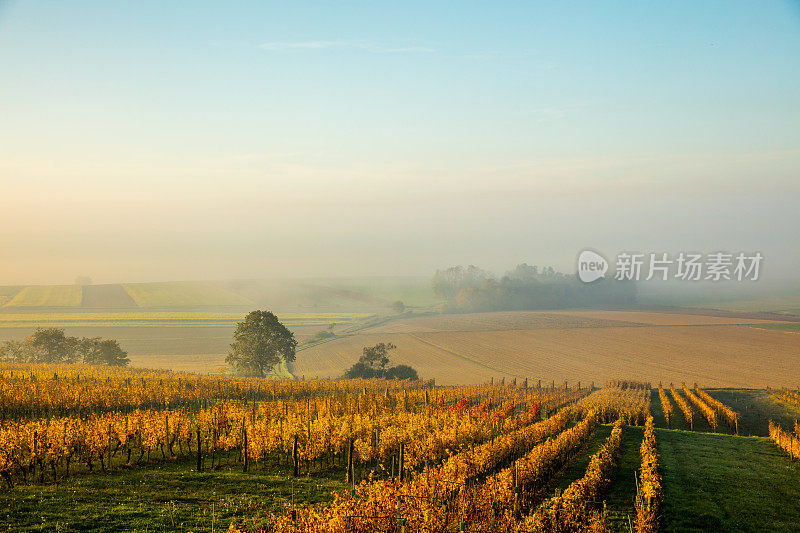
447, 283
377, 357
261, 342
398, 306
51, 345
14, 352
361, 370
372, 364
402, 372
103, 352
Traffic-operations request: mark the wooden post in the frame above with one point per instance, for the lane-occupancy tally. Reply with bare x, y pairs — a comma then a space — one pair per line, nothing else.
109, 446
296, 458
377, 446
35, 453
244, 449
401, 470
200, 452
350, 448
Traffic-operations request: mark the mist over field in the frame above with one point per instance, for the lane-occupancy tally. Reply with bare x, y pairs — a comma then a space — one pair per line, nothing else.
396, 148
380, 267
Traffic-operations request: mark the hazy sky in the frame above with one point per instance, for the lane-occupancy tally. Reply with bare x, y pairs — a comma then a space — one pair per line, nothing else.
201, 140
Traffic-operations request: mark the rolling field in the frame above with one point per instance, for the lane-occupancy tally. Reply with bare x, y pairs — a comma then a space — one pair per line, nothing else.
106, 296
165, 319
183, 294
181, 341
48, 295
299, 295
7, 292
586, 346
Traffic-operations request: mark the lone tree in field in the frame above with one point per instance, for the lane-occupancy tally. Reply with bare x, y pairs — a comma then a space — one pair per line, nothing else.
260, 343
372, 364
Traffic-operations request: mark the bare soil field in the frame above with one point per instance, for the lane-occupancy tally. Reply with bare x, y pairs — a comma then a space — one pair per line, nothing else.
504, 320
647, 346
106, 296
212, 363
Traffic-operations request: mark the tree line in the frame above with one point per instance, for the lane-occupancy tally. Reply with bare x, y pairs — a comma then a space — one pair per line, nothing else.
526, 287
52, 345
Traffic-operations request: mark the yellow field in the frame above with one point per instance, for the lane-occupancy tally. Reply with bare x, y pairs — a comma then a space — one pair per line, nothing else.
48, 296
182, 294
716, 351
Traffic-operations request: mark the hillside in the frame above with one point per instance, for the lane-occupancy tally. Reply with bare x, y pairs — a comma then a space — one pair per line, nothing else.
345, 294
575, 345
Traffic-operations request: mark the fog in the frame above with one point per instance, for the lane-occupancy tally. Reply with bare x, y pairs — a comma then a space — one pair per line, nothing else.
129, 152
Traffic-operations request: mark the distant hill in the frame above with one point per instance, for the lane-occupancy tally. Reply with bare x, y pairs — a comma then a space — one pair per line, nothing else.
317, 295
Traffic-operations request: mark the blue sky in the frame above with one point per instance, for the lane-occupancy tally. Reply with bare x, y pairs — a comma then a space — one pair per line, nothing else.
153, 140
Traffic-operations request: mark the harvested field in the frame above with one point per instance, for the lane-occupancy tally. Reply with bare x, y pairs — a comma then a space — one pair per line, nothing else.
332, 358
715, 355
664, 319
213, 363
106, 296
504, 320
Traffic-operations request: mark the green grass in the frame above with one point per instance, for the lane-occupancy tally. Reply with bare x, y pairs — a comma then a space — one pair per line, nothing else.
183, 294
678, 420
140, 499
620, 497
716, 482
756, 408
577, 467
48, 296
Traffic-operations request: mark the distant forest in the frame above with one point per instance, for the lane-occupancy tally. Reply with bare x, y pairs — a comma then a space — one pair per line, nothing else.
472, 289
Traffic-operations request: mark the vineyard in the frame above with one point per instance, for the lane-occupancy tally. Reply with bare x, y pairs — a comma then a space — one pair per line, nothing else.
356, 455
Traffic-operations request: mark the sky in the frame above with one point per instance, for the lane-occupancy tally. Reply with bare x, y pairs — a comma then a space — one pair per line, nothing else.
148, 141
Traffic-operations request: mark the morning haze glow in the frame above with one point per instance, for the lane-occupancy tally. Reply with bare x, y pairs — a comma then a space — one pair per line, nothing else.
162, 141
